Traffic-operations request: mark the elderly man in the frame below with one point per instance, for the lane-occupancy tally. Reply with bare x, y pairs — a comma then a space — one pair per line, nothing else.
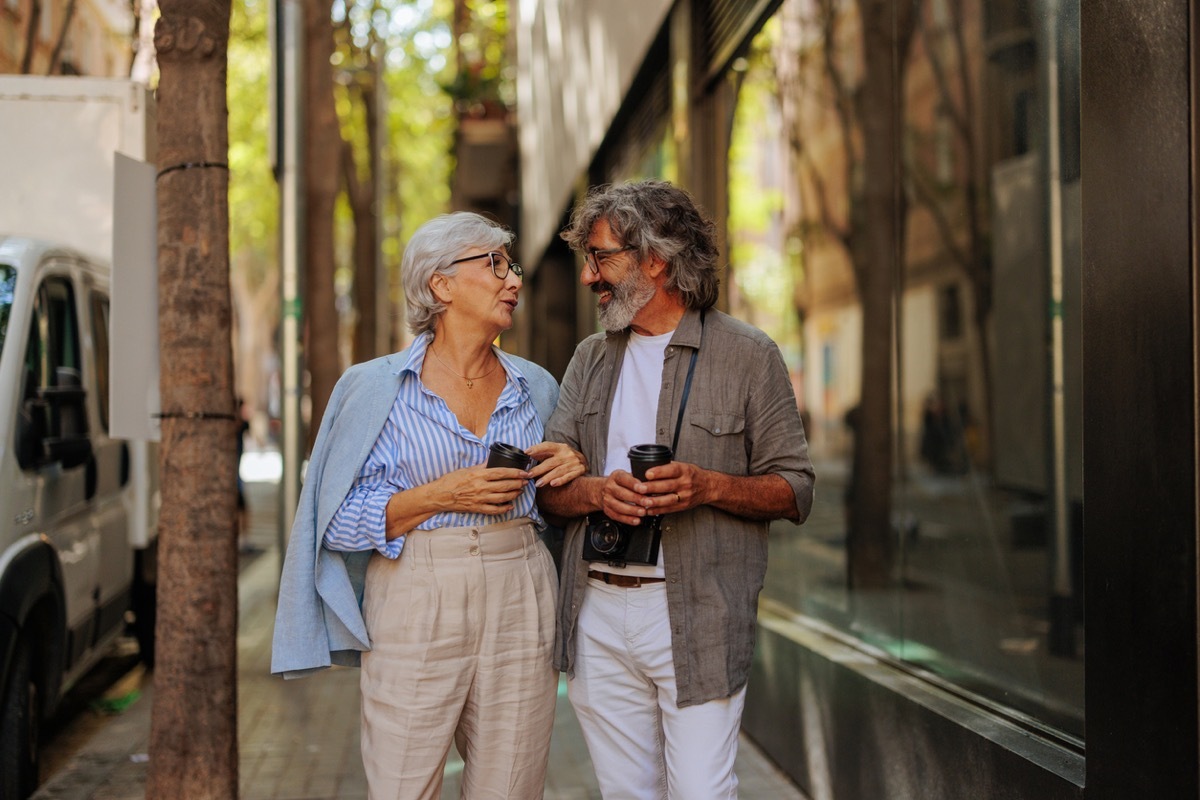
661, 574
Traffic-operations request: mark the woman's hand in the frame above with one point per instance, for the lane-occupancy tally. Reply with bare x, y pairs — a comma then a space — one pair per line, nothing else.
479, 490
475, 489
557, 464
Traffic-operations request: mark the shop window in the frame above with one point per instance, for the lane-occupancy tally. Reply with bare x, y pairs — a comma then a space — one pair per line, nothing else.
962, 593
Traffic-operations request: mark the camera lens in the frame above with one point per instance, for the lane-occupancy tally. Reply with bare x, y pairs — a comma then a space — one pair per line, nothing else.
506, 455
605, 536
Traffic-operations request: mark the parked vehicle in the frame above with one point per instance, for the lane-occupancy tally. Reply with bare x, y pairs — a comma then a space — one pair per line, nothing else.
78, 505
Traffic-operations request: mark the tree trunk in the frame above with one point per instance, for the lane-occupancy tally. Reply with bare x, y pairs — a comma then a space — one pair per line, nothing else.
365, 289
56, 53
322, 153
35, 15
361, 194
878, 246
193, 742
956, 92
256, 317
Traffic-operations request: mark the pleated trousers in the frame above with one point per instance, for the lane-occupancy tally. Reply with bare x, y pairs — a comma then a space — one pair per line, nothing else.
462, 628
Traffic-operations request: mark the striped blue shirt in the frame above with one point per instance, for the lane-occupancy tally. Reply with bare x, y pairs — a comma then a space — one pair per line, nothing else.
422, 441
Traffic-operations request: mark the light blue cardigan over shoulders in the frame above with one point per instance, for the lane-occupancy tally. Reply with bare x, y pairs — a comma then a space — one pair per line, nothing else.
318, 622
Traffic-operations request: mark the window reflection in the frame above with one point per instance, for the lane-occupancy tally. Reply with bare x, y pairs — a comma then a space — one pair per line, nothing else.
925, 338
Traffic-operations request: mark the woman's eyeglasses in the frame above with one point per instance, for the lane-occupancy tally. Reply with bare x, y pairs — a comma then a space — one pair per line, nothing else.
499, 262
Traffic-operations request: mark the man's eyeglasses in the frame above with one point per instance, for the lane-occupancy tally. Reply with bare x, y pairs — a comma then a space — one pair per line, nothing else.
594, 257
499, 262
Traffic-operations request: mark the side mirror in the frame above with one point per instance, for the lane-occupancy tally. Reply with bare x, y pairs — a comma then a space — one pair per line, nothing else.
64, 408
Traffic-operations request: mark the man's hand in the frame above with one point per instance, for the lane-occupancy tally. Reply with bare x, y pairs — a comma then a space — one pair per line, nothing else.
621, 501
679, 486
672, 488
624, 498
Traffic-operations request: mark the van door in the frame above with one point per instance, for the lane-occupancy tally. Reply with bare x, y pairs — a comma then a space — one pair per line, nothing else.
111, 483
53, 361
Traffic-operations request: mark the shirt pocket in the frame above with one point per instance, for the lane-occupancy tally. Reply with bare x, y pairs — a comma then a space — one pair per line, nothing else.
588, 421
720, 438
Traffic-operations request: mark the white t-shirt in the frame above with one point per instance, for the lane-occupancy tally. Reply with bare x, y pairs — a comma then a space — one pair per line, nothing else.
634, 412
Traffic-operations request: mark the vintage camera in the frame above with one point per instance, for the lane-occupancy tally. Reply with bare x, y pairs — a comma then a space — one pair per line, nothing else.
617, 544
609, 541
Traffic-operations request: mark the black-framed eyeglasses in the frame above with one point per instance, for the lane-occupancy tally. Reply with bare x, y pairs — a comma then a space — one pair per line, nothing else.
594, 257
499, 262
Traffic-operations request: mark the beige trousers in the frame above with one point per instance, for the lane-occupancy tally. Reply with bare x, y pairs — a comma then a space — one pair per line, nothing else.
462, 628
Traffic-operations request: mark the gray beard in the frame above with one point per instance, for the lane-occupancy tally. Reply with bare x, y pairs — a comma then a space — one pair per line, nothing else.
628, 298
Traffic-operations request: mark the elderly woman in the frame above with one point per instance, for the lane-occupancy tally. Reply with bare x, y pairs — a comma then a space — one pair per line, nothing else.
398, 508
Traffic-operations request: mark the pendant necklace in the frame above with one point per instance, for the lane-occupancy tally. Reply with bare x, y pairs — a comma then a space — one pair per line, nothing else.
470, 381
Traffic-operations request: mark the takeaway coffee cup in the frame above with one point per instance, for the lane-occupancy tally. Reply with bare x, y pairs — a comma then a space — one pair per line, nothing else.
505, 455
647, 456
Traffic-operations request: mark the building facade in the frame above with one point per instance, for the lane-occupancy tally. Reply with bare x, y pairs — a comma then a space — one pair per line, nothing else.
969, 226
67, 37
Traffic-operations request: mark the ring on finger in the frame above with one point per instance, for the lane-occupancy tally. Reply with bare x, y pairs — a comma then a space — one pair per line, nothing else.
677, 498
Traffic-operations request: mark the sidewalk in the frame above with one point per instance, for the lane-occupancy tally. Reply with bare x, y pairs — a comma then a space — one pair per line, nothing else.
298, 739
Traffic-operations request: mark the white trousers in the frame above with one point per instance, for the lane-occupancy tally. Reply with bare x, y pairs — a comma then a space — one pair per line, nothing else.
462, 629
643, 746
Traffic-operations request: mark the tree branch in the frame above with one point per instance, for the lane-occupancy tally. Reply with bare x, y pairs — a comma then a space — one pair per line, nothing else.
35, 14
62, 37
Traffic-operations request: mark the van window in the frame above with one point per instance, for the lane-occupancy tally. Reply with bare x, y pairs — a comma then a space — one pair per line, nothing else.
53, 335
51, 356
8, 284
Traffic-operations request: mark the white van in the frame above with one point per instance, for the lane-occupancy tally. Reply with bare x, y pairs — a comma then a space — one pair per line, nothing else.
70, 570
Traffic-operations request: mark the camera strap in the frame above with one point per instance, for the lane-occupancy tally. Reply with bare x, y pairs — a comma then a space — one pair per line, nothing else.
687, 385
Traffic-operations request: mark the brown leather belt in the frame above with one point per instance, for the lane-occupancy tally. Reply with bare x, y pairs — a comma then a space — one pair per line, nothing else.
624, 581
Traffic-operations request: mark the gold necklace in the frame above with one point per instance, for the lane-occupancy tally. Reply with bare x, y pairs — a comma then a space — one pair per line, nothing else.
470, 381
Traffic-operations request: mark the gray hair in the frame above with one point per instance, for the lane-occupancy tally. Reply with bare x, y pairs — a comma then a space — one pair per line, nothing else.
430, 251
661, 219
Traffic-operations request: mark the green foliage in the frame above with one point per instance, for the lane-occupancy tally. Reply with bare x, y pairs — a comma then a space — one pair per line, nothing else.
760, 255
253, 196
485, 83
415, 42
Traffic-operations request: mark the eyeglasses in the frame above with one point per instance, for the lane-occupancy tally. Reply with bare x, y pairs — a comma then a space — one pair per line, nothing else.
594, 257
499, 262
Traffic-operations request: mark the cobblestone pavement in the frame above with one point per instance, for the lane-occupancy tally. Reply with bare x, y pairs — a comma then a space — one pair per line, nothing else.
298, 739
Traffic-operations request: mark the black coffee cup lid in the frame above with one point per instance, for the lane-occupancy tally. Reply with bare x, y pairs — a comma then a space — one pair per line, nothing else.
650, 452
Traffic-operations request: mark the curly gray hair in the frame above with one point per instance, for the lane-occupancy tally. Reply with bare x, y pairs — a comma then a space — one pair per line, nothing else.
430, 251
657, 218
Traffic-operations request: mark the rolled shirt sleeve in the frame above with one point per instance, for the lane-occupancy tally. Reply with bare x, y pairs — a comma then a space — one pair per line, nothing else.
360, 523
777, 439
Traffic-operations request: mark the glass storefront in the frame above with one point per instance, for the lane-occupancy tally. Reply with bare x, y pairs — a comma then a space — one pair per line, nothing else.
930, 312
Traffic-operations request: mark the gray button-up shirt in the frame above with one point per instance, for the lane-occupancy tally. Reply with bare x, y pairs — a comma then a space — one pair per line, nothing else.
741, 419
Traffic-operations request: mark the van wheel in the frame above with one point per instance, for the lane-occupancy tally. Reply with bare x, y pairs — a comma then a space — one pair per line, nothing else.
19, 728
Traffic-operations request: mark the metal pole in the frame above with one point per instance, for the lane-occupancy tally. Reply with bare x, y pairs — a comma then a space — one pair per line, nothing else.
291, 216
383, 289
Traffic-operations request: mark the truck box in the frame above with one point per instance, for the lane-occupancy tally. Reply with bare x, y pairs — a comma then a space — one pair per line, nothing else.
78, 500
